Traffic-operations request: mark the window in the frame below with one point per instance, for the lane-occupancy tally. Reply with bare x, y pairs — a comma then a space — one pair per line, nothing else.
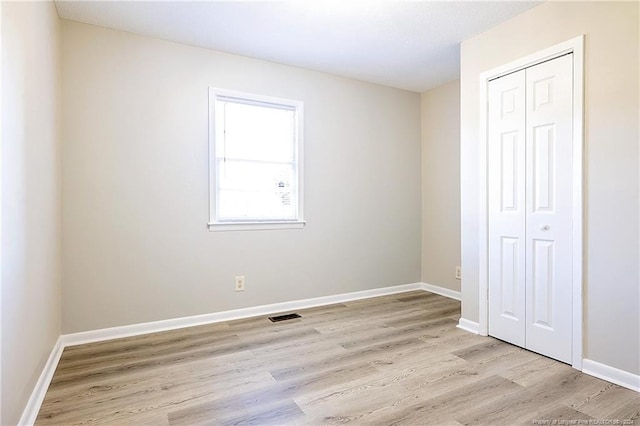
255, 167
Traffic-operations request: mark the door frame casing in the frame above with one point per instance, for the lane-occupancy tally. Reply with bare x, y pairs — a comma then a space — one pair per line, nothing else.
575, 46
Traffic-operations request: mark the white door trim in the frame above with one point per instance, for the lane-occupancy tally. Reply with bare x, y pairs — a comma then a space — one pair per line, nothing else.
1, 102
575, 46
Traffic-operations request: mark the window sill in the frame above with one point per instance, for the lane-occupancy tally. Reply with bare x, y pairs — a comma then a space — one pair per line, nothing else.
254, 226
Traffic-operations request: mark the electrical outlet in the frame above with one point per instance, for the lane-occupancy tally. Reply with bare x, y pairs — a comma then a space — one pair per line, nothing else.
240, 283
458, 273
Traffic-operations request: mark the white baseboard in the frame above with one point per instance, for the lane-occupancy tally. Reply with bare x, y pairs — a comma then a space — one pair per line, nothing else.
39, 391
470, 326
452, 294
172, 324
611, 374
30, 412
37, 396
464, 324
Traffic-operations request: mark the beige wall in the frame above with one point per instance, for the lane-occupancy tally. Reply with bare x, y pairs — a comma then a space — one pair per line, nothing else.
441, 185
135, 200
612, 276
30, 198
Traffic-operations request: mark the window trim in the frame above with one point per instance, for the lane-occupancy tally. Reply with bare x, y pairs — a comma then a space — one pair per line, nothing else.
214, 224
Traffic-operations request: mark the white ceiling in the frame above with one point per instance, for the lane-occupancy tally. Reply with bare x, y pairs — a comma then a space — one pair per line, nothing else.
408, 45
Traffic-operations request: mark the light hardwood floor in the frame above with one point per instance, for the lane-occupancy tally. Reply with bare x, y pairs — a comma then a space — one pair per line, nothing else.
389, 360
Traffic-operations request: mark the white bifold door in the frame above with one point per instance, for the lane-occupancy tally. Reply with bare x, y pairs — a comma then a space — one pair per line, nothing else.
530, 193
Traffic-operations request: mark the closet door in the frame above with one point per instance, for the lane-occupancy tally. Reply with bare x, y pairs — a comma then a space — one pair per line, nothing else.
549, 193
506, 208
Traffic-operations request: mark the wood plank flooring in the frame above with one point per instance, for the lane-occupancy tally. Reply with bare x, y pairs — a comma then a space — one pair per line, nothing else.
389, 360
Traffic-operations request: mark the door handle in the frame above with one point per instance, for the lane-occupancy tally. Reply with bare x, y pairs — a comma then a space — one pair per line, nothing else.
545, 228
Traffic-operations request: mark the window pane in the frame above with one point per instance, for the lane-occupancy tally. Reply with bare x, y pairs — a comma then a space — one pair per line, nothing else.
256, 190
254, 132
256, 205
242, 175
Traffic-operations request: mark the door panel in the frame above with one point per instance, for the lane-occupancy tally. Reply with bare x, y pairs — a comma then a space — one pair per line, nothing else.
549, 194
509, 254
543, 176
508, 171
506, 203
542, 281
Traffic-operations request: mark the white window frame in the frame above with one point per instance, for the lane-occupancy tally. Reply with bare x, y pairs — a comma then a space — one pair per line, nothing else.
245, 225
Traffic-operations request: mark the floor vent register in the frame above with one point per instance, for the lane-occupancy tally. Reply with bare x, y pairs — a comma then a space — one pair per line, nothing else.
279, 318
